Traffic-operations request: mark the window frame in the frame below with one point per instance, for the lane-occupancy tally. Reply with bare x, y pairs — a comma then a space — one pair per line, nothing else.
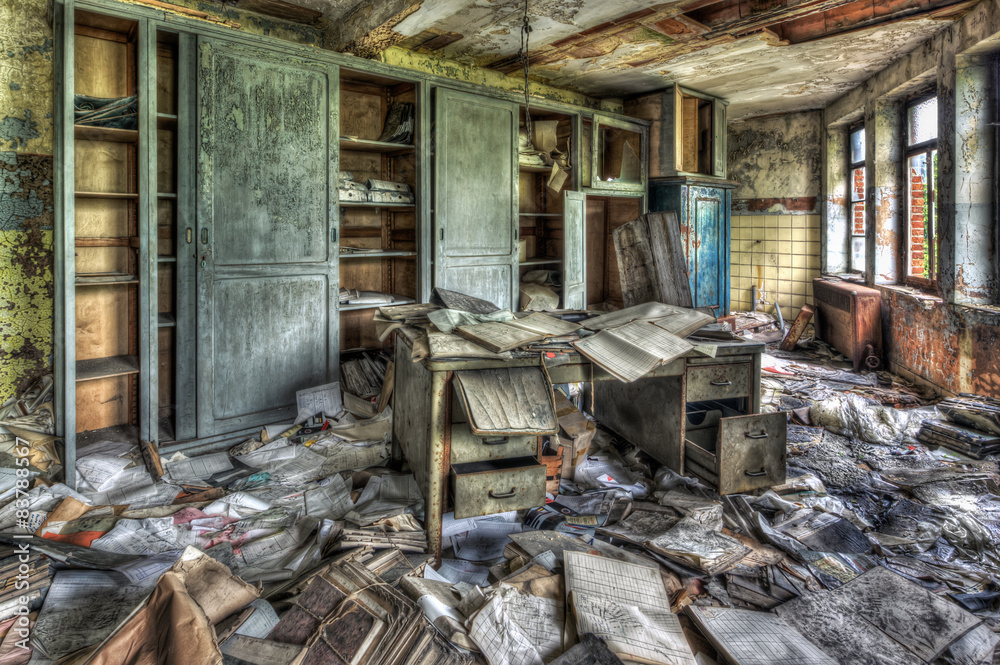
926, 148
852, 201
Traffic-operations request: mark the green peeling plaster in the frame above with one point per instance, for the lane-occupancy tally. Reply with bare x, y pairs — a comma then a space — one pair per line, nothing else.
470, 74
26, 195
25, 308
26, 66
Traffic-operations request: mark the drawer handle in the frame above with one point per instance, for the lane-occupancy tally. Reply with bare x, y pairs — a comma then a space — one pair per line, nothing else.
496, 441
721, 383
504, 495
756, 474
759, 435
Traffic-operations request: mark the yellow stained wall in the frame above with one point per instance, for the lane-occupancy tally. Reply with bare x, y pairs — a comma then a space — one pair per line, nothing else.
779, 252
26, 287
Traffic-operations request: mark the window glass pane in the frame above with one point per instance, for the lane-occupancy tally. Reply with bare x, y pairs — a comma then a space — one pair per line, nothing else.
858, 218
921, 122
619, 155
858, 254
858, 184
917, 216
858, 145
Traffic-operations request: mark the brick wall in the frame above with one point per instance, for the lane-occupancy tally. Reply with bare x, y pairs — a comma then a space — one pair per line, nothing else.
858, 208
917, 212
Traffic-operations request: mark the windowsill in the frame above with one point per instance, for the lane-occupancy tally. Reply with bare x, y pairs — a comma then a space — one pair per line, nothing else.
926, 300
991, 310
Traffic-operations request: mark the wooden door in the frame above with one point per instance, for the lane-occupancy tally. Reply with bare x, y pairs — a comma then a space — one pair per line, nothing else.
475, 196
574, 250
708, 257
266, 255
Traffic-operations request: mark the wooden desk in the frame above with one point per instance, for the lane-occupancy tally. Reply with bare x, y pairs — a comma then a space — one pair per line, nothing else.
649, 412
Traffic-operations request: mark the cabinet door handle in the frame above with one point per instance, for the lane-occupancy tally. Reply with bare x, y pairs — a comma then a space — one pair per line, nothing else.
758, 435
721, 383
756, 474
496, 441
502, 495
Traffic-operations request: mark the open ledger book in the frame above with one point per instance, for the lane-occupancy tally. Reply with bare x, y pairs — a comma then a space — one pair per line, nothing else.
630, 351
626, 605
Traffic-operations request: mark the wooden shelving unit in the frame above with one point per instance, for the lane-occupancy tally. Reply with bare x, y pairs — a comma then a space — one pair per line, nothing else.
107, 279
540, 210
390, 228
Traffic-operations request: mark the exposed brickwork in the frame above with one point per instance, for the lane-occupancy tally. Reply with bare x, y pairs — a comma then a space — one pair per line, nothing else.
858, 207
918, 216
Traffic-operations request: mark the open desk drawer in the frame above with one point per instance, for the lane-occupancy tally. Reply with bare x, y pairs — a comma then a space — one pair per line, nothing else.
743, 453
484, 488
468, 447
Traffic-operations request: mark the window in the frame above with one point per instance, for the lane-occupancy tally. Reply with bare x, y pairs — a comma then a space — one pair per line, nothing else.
920, 167
856, 212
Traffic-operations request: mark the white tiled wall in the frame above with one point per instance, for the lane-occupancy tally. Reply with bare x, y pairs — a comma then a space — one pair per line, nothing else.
781, 252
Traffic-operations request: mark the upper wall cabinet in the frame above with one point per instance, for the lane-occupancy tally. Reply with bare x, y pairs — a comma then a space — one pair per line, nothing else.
620, 153
688, 134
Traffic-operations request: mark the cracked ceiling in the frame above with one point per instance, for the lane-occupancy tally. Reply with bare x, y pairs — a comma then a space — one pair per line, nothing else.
764, 56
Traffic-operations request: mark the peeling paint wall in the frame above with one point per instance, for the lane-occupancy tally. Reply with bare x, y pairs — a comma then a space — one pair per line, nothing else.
26, 194
777, 161
458, 71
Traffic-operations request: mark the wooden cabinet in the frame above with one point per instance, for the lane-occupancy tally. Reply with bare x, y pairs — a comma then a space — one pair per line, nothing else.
107, 347
476, 196
620, 154
196, 240
551, 214
380, 239
688, 132
703, 210
267, 252
201, 247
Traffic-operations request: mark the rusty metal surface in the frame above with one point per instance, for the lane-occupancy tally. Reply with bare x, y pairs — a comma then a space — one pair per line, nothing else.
849, 318
467, 447
484, 488
751, 452
719, 381
798, 327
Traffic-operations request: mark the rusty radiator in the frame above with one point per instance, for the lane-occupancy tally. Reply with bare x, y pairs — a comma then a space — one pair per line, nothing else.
849, 318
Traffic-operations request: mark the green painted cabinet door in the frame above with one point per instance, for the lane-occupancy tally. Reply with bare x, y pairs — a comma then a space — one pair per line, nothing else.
265, 249
574, 250
475, 196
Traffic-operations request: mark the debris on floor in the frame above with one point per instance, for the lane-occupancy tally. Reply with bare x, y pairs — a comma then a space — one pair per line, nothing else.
305, 544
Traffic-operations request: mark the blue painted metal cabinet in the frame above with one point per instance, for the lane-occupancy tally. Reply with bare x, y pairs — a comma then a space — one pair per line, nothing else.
703, 210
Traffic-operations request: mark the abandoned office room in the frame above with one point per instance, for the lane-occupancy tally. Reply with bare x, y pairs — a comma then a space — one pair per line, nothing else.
506, 332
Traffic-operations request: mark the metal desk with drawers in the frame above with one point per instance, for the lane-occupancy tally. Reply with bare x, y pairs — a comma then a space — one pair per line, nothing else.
697, 414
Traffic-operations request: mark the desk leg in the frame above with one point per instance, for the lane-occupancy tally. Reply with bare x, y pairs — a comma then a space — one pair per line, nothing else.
439, 462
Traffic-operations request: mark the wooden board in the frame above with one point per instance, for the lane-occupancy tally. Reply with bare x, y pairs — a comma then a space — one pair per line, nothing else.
166, 160
362, 115
97, 218
103, 403
102, 67
597, 223
165, 362
102, 321
651, 261
104, 167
